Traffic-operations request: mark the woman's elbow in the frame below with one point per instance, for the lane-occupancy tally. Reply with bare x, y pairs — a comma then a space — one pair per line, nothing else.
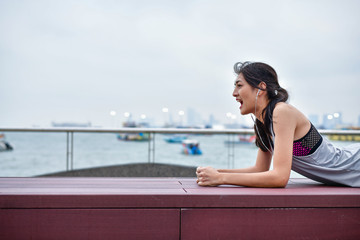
280, 181
281, 184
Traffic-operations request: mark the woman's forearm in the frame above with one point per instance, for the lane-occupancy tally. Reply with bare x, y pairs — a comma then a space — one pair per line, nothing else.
260, 179
252, 169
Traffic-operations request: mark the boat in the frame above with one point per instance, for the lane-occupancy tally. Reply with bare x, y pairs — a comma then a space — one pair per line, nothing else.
243, 139
4, 145
139, 137
177, 138
191, 147
133, 136
71, 124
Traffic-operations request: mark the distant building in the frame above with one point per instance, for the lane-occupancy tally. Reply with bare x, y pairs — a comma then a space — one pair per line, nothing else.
193, 117
327, 122
338, 119
332, 121
211, 121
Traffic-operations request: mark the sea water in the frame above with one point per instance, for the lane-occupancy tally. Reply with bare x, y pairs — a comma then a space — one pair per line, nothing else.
37, 153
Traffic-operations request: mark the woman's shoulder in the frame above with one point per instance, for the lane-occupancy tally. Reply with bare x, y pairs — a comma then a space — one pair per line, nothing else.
283, 108
287, 115
285, 112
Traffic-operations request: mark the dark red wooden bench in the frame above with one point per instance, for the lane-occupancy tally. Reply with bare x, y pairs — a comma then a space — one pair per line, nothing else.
170, 208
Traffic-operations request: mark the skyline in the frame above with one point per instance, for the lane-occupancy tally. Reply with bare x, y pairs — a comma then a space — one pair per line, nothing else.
66, 61
191, 118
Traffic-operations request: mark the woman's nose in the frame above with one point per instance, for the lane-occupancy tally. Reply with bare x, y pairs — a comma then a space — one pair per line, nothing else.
235, 92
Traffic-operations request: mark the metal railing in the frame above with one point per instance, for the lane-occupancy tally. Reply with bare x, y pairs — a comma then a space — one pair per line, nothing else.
152, 131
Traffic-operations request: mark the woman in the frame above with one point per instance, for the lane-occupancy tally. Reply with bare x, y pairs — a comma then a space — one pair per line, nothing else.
283, 134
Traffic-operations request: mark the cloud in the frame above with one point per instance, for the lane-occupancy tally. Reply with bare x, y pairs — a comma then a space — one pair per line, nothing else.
71, 59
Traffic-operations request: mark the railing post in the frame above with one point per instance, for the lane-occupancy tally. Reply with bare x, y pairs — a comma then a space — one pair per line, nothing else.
69, 150
154, 148
72, 150
231, 150
151, 148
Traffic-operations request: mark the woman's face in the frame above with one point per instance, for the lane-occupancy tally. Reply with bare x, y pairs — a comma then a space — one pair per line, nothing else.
245, 95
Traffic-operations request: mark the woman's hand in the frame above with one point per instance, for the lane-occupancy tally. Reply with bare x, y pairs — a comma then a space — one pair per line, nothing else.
208, 176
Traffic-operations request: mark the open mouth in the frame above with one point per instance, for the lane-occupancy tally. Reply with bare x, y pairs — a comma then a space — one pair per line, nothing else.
241, 102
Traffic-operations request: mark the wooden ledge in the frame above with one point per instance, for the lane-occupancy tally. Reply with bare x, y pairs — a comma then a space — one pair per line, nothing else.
174, 208
165, 193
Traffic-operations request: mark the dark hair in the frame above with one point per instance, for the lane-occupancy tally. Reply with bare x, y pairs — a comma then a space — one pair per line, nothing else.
255, 73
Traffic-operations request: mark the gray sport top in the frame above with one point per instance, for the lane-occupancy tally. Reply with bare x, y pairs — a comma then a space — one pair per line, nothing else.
317, 158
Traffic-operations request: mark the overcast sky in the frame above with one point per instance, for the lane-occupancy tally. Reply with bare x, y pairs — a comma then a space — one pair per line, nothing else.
76, 60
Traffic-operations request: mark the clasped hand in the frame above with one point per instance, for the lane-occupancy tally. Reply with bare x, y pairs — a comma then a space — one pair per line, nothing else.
207, 176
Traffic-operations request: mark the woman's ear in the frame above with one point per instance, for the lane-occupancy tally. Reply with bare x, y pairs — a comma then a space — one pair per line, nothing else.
262, 86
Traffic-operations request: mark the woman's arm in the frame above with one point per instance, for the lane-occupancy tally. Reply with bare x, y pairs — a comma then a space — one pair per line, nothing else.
284, 128
263, 161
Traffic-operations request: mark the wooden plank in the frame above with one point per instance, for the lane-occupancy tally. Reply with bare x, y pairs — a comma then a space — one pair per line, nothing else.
87, 183
89, 192
298, 193
89, 224
165, 193
271, 223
